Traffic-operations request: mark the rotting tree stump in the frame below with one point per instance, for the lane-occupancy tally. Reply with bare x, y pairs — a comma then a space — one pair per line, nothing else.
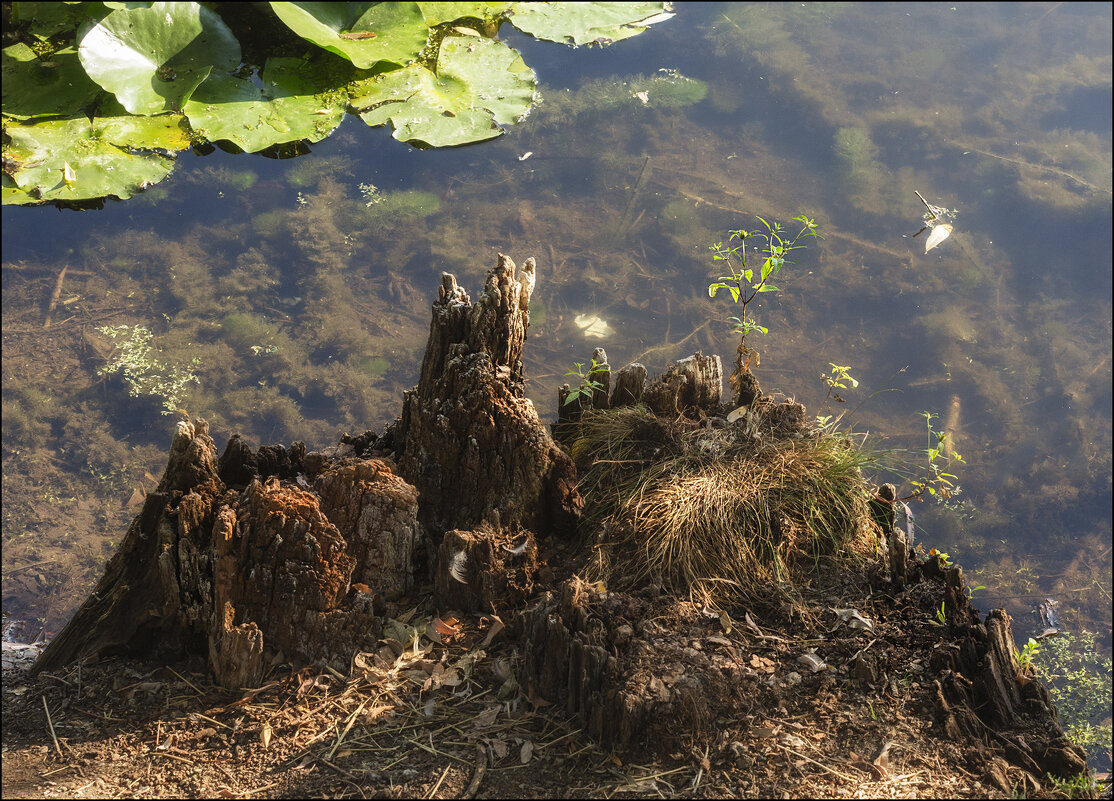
279, 553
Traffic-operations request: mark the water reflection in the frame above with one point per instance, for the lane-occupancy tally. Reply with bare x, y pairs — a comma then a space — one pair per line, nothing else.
305, 294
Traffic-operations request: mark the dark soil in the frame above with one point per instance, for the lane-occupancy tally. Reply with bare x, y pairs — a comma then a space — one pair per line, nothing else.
447, 719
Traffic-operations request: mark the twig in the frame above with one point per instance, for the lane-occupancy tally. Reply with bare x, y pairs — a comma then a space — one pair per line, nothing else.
863, 650
257, 790
1054, 170
50, 724
15, 570
832, 771
431, 750
437, 786
169, 755
54, 296
337, 768
348, 727
478, 774
187, 681
211, 720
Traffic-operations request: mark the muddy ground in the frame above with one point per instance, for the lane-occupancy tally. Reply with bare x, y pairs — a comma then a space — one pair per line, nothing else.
442, 715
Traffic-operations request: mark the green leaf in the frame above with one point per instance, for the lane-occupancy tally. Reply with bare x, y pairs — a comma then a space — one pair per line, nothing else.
153, 58
400, 29
293, 104
52, 87
480, 84
768, 288
47, 19
586, 23
436, 13
110, 156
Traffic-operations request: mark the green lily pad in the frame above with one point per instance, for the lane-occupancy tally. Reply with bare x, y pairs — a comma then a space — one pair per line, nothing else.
78, 160
152, 59
47, 19
51, 87
586, 23
293, 104
363, 33
480, 84
436, 13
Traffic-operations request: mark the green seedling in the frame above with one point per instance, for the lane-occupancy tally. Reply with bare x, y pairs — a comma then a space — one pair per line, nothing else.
1025, 656
588, 385
839, 378
744, 283
936, 481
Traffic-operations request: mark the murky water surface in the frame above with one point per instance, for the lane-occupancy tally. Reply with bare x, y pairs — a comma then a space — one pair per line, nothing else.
297, 291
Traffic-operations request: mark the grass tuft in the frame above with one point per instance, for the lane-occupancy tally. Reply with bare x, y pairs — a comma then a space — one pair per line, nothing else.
718, 513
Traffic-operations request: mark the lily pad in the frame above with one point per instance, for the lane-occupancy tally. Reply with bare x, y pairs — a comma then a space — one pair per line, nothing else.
47, 19
363, 33
78, 160
51, 87
586, 23
436, 13
480, 84
154, 58
292, 104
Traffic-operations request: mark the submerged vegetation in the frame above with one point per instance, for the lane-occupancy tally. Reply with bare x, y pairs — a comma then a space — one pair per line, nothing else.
1078, 677
137, 362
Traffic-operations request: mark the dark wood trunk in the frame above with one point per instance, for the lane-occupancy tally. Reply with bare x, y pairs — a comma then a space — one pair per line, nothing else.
280, 553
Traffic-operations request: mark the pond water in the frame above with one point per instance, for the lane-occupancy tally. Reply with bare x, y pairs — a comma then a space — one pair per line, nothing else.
297, 291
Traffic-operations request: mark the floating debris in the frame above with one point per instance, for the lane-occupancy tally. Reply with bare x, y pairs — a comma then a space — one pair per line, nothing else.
938, 235
934, 221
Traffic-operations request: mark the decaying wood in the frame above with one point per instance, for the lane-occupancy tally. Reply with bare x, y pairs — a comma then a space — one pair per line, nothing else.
628, 682
278, 552
54, 296
688, 385
482, 570
275, 552
468, 438
629, 384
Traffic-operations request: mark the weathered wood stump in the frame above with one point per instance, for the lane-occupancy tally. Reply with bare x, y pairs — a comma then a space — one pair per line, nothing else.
629, 385
278, 552
254, 555
469, 439
688, 385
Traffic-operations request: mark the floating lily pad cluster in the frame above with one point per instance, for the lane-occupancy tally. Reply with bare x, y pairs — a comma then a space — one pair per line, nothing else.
99, 97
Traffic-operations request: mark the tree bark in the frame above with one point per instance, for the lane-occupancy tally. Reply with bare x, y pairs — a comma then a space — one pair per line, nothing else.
468, 439
258, 555
690, 386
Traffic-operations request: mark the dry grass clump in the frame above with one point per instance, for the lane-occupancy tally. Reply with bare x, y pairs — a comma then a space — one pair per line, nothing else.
717, 512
